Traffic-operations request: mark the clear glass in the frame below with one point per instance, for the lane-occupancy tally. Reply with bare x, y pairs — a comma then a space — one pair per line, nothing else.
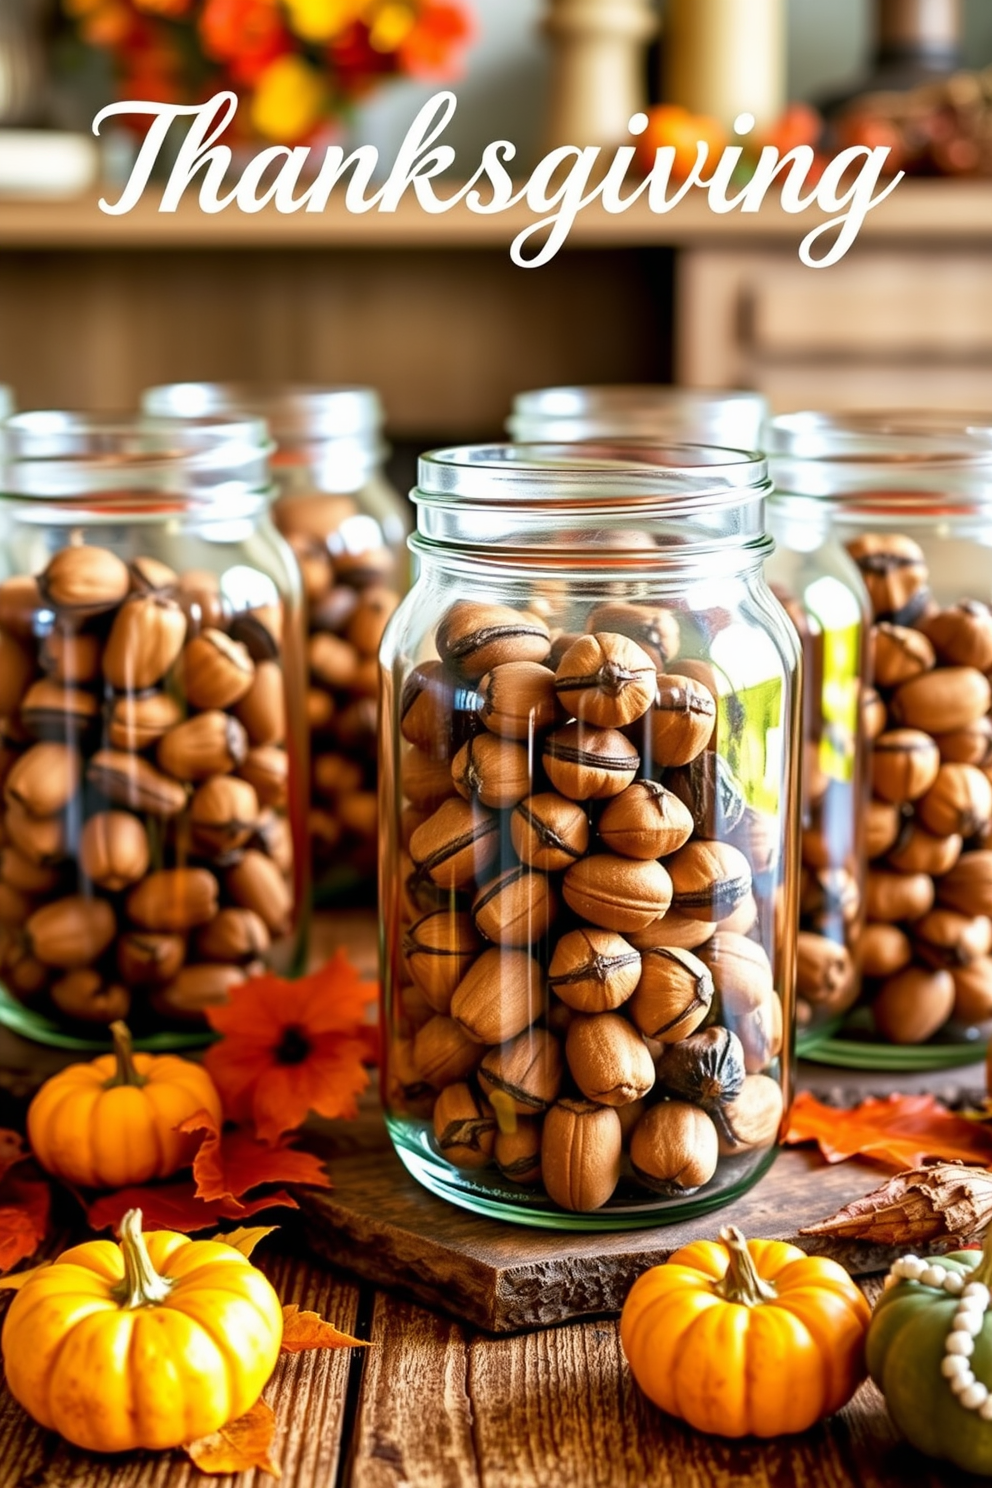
910, 495
588, 798
348, 527
154, 747
821, 589
7, 401
731, 418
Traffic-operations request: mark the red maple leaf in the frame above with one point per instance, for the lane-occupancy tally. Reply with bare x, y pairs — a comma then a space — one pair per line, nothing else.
175, 1206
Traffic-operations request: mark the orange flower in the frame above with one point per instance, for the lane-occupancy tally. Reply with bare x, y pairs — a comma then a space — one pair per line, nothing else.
289, 1048
246, 34
440, 29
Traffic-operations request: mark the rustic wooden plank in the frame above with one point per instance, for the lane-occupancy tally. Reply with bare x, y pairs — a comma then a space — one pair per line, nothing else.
378, 1223
414, 1425
441, 1408
307, 1392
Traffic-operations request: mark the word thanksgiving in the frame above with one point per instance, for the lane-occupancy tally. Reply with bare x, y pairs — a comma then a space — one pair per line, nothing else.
562, 185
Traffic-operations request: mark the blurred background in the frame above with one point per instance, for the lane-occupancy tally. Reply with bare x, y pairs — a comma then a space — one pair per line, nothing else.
431, 310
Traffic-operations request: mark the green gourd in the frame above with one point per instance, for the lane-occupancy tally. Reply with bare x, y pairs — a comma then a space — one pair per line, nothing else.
906, 1348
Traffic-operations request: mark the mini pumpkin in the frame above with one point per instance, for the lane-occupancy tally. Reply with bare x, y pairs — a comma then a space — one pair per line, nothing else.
113, 1122
746, 1338
150, 1343
930, 1353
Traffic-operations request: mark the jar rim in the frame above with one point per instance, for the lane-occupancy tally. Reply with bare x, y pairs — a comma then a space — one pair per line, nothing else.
919, 440
660, 411
60, 454
292, 411
591, 476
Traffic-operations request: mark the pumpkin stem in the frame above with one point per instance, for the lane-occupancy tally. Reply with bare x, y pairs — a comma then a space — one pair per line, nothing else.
142, 1285
125, 1073
742, 1283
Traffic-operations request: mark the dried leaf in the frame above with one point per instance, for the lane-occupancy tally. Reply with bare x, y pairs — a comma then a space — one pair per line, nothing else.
945, 1200
902, 1131
239, 1446
246, 1240
15, 1282
175, 1206
308, 1330
230, 1163
25, 1203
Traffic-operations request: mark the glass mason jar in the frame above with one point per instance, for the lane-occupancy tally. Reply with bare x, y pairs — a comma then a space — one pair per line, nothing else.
910, 495
730, 418
153, 750
820, 587
348, 528
588, 798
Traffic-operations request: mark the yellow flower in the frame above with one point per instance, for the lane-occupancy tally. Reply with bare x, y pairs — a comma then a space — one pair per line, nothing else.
289, 100
322, 20
391, 25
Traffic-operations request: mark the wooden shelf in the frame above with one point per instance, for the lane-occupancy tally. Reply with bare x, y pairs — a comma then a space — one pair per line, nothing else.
924, 211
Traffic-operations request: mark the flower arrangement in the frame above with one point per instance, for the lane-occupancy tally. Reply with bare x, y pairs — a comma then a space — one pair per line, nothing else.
296, 64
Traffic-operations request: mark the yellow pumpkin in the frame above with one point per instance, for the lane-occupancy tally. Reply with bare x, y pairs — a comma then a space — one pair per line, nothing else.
150, 1343
746, 1339
112, 1122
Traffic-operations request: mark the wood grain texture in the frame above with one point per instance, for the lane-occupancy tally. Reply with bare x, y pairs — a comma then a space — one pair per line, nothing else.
307, 1392
442, 1407
378, 1223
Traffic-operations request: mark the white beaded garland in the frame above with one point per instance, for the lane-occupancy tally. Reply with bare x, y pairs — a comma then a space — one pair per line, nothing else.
973, 1299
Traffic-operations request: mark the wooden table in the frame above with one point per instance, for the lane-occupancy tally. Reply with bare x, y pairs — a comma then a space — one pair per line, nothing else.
435, 1404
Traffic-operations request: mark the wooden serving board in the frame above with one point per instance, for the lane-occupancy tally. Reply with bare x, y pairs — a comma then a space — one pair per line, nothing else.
380, 1224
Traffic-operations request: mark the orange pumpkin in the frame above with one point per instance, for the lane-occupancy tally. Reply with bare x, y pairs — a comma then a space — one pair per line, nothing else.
113, 1122
746, 1339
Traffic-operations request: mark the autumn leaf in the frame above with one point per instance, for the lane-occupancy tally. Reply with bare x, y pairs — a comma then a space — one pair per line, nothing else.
230, 1163
239, 1446
289, 1048
15, 1282
944, 1200
308, 1330
175, 1206
901, 1131
246, 1240
25, 1203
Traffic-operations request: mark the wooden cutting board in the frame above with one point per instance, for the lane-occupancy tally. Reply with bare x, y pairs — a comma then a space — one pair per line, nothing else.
379, 1224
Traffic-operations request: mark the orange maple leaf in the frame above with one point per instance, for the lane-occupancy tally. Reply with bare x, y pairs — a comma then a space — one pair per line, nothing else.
227, 1164
901, 1131
238, 1446
308, 1330
289, 1048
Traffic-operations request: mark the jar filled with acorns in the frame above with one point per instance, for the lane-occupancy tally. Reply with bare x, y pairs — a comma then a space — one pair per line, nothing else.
348, 527
821, 589
153, 747
910, 496
589, 814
